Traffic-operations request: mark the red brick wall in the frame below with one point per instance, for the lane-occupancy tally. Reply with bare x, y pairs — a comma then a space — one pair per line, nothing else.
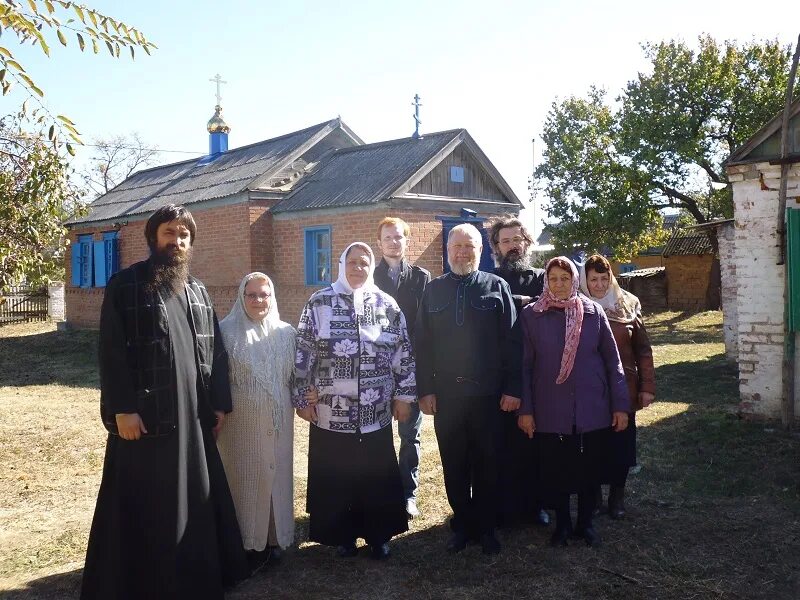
223, 252
425, 247
221, 256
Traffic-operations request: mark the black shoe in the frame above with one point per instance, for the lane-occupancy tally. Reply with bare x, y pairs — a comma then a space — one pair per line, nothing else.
381, 552
490, 544
275, 554
559, 538
542, 518
590, 536
347, 550
616, 502
598, 501
457, 542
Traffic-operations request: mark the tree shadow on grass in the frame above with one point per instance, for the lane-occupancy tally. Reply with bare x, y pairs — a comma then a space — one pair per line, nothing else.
61, 586
55, 357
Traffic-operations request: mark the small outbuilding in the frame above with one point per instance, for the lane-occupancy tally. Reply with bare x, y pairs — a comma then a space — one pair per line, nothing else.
754, 170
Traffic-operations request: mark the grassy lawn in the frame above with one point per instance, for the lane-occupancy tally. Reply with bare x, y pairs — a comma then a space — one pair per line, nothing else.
713, 513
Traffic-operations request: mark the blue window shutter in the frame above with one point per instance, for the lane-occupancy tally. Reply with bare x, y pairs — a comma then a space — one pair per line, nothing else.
75, 260
99, 248
310, 253
111, 258
86, 260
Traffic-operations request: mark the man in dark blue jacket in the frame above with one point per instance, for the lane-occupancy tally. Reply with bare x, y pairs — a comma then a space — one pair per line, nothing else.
468, 374
406, 283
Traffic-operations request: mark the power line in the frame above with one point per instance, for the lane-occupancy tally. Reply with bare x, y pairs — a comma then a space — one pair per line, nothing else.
145, 149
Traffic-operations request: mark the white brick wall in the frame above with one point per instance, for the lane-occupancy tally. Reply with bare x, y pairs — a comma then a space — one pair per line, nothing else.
726, 237
759, 283
55, 301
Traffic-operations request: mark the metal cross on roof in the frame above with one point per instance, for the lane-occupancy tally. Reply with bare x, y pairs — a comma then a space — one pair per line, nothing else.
416, 104
218, 80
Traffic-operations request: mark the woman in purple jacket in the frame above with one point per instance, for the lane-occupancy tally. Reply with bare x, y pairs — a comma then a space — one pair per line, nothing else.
574, 394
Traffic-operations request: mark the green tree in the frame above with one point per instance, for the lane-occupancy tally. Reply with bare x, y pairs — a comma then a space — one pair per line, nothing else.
609, 168
37, 198
30, 21
36, 193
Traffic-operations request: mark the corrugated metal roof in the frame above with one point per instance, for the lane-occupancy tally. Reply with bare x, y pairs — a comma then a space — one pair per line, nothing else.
195, 180
650, 272
687, 242
365, 174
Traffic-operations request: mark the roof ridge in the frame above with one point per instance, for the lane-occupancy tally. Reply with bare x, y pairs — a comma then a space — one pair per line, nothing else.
239, 148
399, 141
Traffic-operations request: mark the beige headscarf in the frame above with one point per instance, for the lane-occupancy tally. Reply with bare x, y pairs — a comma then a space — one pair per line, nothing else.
619, 305
260, 353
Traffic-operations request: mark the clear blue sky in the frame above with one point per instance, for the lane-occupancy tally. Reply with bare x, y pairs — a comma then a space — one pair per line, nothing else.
493, 68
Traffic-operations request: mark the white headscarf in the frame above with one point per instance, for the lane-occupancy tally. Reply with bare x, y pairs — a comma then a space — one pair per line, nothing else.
619, 305
342, 286
260, 353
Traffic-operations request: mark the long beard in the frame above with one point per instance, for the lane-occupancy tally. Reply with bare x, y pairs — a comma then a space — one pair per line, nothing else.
464, 268
170, 271
515, 262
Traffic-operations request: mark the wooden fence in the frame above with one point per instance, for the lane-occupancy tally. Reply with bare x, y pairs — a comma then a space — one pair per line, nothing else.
23, 304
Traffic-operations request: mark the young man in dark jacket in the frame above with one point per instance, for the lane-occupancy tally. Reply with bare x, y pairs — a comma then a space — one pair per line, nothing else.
406, 283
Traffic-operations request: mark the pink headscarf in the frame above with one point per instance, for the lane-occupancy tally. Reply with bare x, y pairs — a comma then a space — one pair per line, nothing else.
573, 310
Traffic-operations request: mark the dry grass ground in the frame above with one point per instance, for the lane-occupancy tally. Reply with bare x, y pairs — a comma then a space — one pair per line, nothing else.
714, 512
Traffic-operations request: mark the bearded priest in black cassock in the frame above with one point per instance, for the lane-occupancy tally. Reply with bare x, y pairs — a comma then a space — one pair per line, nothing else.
165, 525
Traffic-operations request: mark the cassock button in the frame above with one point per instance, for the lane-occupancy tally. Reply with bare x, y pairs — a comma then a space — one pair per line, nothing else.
269, 431
272, 466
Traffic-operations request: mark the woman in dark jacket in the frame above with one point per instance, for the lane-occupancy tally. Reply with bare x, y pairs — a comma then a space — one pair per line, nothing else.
624, 313
574, 393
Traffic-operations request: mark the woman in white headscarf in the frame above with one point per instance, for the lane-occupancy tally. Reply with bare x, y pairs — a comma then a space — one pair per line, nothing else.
256, 440
624, 314
353, 349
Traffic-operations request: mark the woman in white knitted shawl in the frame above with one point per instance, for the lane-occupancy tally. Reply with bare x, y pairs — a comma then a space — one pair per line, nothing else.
256, 439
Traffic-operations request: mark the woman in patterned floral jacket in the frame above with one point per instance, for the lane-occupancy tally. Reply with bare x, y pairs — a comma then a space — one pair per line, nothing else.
354, 371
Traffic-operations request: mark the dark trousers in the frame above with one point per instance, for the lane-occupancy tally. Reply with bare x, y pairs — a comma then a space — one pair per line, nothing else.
467, 430
586, 504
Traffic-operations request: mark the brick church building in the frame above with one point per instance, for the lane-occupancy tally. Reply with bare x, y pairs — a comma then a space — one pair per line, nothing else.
288, 206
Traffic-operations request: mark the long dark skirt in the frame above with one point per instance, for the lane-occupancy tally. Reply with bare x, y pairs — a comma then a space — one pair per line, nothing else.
354, 487
518, 473
622, 453
569, 464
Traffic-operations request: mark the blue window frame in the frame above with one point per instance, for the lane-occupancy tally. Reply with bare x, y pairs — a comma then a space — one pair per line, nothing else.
627, 268
457, 174
317, 249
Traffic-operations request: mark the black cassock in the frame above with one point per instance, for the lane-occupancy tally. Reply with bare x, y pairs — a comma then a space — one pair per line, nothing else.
165, 525
518, 471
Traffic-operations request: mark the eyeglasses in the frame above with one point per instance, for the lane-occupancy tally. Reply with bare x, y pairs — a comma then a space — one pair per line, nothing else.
517, 239
262, 297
